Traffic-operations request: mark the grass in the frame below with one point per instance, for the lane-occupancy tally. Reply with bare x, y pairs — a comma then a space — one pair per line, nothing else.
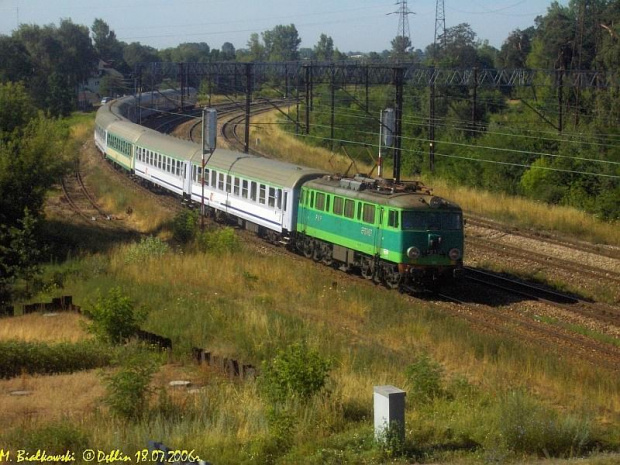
247, 305
61, 327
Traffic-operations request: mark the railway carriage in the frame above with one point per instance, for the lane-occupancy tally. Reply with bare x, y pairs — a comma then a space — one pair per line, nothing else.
261, 194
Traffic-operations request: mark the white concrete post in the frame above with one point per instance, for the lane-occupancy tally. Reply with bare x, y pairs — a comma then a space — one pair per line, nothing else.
389, 407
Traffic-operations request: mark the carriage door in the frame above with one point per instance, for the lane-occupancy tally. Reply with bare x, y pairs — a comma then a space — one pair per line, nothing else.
379, 232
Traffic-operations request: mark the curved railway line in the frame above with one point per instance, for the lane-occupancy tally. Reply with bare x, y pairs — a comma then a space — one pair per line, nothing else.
494, 301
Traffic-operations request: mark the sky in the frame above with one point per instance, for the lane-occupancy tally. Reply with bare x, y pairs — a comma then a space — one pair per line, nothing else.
354, 25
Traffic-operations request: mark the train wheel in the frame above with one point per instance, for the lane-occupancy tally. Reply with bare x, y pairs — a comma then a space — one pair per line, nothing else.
392, 278
367, 270
308, 249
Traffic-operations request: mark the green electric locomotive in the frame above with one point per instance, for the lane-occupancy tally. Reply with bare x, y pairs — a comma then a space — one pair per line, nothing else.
395, 233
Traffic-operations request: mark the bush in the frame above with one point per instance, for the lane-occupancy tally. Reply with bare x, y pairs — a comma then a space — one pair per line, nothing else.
128, 389
425, 377
184, 226
218, 241
114, 318
148, 248
40, 358
296, 372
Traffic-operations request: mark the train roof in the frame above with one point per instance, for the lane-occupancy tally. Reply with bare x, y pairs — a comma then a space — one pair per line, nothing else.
126, 130
271, 171
105, 117
169, 145
411, 195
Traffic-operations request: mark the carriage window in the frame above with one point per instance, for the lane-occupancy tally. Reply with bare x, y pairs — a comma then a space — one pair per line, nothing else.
236, 186
285, 200
213, 178
253, 191
179, 168
206, 177
196, 173
369, 213
338, 205
228, 183
393, 219
349, 208
271, 201
320, 201
220, 183
279, 199
262, 194
244, 189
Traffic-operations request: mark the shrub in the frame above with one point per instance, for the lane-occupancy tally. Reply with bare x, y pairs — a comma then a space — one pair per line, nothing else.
184, 226
114, 318
425, 377
218, 241
128, 389
297, 372
148, 248
38, 357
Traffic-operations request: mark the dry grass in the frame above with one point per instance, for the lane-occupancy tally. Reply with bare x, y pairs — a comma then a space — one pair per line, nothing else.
53, 398
268, 137
58, 327
115, 198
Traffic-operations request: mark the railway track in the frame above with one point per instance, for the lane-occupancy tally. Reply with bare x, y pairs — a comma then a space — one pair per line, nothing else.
601, 250
79, 199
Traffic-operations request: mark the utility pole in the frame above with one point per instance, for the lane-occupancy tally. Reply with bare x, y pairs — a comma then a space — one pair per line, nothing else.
209, 141
440, 32
248, 102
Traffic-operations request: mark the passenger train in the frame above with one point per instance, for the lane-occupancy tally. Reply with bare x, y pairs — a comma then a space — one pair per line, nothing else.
395, 233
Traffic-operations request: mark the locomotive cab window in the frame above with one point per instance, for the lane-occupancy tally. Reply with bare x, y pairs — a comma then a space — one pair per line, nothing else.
393, 218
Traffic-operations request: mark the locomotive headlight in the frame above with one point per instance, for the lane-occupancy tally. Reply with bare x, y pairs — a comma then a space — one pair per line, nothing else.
454, 254
413, 253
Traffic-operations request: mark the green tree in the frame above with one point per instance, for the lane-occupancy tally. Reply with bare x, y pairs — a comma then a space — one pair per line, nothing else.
107, 46
228, 52
15, 62
401, 49
282, 43
324, 49
515, 49
256, 48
